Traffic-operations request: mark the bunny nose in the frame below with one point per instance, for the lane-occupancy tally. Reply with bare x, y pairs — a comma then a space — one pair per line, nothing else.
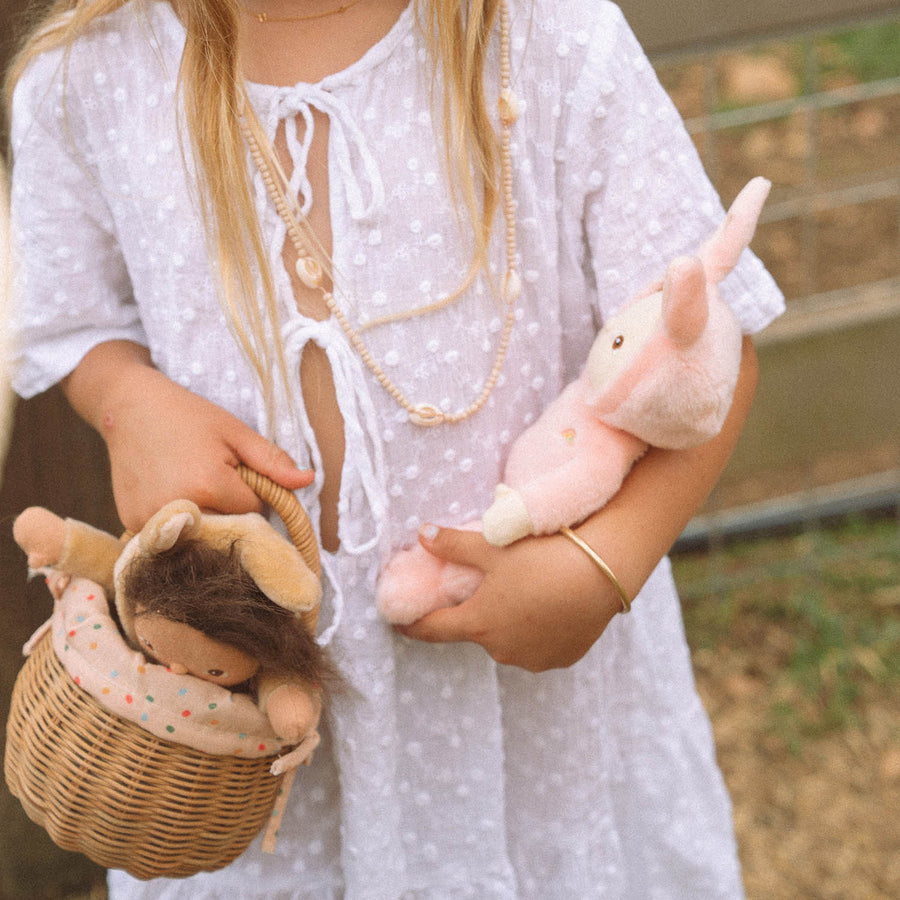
178, 668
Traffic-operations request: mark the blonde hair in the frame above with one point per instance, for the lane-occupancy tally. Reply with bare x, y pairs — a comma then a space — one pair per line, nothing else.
457, 33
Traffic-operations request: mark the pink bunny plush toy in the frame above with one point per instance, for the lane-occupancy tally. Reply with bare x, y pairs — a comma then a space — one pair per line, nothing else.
661, 372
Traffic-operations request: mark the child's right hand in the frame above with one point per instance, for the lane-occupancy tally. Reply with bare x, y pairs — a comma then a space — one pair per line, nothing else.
166, 443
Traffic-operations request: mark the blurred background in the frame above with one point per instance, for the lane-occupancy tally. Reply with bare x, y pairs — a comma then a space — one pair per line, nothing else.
791, 574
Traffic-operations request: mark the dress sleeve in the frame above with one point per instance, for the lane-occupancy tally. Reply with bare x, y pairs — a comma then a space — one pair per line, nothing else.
72, 289
635, 189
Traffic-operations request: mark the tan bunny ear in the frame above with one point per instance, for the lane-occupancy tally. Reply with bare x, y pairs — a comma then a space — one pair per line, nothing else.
178, 519
279, 569
274, 563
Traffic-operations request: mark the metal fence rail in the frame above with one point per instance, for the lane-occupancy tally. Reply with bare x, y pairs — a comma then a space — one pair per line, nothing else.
824, 206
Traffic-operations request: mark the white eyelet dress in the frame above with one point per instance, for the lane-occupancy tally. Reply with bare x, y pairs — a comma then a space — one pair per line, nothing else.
441, 774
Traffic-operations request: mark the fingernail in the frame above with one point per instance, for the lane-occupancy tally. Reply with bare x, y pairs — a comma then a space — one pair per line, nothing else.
429, 532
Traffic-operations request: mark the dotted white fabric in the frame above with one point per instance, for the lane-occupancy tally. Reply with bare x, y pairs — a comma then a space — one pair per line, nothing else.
441, 775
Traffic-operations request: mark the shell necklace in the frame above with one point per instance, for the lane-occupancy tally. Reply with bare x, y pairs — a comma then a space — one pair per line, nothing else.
312, 263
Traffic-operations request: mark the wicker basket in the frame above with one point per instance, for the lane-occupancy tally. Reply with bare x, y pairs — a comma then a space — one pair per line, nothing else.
105, 787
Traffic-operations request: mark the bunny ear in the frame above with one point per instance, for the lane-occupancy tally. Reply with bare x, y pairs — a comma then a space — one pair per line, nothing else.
164, 529
685, 307
276, 565
721, 252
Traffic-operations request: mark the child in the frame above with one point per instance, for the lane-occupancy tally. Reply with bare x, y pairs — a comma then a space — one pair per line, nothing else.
162, 286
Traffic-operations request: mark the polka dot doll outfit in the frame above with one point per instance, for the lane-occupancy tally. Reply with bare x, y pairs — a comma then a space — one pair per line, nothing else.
195, 713
441, 775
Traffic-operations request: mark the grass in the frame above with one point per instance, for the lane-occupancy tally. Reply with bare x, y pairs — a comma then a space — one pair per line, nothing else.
817, 613
861, 55
872, 53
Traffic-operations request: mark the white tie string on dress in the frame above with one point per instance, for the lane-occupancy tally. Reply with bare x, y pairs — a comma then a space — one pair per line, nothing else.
358, 169
364, 472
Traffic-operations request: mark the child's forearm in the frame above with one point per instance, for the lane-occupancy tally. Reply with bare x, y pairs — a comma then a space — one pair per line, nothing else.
543, 602
104, 376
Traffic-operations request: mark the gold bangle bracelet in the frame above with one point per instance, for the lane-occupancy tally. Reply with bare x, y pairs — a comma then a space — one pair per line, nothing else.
602, 566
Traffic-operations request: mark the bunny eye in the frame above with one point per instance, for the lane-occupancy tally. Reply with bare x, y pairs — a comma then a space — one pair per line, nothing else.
215, 673
618, 341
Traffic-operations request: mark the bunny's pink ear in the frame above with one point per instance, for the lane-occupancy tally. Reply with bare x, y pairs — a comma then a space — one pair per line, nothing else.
685, 307
720, 254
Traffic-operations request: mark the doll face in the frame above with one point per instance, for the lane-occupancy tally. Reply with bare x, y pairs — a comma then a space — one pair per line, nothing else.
187, 651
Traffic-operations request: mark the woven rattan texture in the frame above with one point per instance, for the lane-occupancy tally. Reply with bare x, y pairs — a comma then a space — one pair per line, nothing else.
296, 521
106, 788
126, 799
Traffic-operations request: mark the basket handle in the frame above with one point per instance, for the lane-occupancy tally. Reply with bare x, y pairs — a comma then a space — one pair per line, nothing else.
299, 528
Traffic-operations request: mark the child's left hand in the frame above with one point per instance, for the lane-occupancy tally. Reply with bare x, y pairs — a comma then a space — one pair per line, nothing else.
542, 603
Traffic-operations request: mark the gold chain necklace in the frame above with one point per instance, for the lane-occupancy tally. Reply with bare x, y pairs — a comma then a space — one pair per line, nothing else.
311, 263
264, 17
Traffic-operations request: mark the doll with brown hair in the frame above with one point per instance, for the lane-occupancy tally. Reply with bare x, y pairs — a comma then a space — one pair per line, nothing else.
217, 597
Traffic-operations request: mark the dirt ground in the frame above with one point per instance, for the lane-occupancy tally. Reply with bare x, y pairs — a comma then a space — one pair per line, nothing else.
820, 823
796, 647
